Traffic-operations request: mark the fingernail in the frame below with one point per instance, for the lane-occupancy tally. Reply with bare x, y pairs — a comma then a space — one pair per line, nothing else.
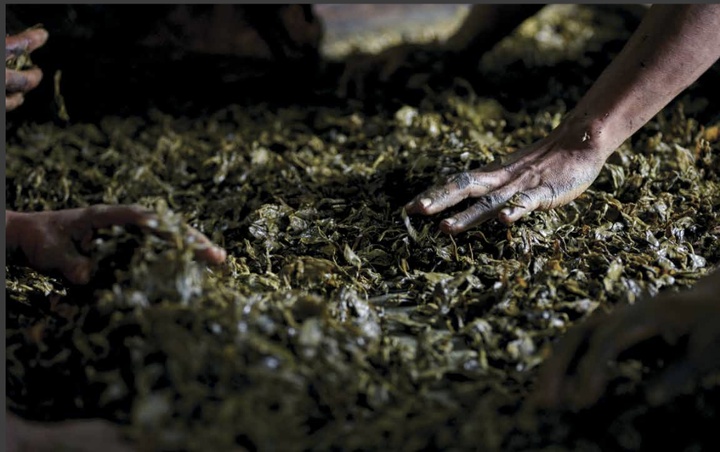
425, 202
43, 34
447, 225
221, 252
504, 216
150, 223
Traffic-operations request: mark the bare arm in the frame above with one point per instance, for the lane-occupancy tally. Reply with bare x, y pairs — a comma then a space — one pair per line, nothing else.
486, 25
481, 30
672, 47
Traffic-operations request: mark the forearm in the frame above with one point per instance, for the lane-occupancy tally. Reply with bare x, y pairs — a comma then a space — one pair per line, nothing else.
12, 230
485, 25
673, 46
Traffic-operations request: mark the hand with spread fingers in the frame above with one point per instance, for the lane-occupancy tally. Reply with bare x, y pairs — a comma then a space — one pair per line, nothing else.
693, 314
19, 82
558, 168
362, 69
482, 28
60, 240
545, 175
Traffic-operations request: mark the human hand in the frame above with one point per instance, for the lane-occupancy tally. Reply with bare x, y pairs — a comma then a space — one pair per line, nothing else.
18, 81
542, 176
694, 314
362, 69
56, 240
83, 435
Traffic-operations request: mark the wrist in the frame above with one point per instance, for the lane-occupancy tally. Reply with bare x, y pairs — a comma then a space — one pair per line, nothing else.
583, 132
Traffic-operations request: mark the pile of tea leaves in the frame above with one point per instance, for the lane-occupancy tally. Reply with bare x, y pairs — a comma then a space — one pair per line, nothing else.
337, 322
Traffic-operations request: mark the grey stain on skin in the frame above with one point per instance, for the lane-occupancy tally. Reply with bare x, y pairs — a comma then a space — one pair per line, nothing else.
553, 192
524, 196
462, 180
485, 203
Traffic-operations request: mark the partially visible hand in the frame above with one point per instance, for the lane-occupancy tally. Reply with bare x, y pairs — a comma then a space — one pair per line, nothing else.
694, 314
56, 240
274, 32
545, 175
19, 82
81, 436
363, 68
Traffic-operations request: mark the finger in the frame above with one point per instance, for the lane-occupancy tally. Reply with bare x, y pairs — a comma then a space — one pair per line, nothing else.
342, 86
457, 188
205, 249
526, 202
77, 268
671, 382
703, 356
628, 329
22, 81
484, 209
14, 101
347, 75
102, 216
390, 67
24, 42
553, 374
359, 82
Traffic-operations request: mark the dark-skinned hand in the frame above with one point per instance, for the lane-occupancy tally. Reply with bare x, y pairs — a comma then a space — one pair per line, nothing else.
18, 83
365, 69
79, 436
60, 240
542, 176
693, 314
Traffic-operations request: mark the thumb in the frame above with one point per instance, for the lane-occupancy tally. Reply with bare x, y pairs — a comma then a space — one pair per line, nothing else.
77, 268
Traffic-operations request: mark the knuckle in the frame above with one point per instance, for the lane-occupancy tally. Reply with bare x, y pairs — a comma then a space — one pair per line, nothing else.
533, 179
461, 180
552, 191
464, 218
484, 203
97, 209
522, 196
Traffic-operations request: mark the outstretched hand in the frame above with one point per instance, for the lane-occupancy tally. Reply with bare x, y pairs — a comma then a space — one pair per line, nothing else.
19, 82
59, 240
694, 314
545, 175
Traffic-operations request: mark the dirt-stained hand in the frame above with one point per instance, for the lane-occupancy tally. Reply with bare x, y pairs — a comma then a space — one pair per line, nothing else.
19, 82
362, 69
542, 176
